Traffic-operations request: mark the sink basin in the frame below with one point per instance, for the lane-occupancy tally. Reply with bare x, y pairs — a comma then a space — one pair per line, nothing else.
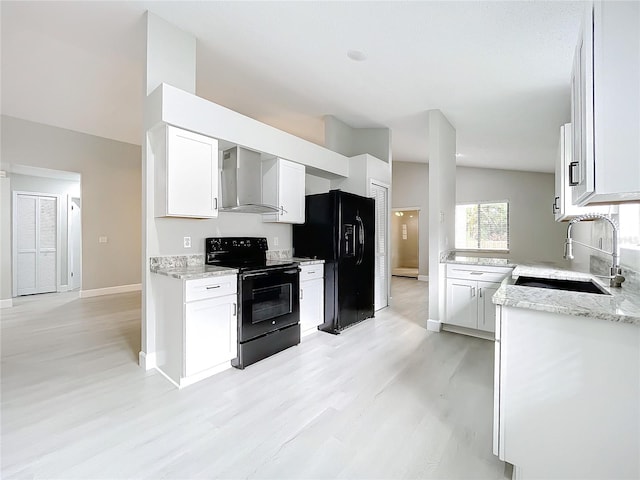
555, 284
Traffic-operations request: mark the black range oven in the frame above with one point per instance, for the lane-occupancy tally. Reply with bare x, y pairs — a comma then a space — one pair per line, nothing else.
268, 297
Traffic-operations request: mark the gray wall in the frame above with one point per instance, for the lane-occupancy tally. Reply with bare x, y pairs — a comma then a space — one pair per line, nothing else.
411, 189
28, 183
5, 239
534, 234
349, 141
111, 193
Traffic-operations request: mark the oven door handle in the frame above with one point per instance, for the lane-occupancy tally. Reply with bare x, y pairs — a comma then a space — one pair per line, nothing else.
291, 272
249, 275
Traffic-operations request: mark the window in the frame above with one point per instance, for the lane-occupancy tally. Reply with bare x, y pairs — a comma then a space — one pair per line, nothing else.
482, 226
629, 221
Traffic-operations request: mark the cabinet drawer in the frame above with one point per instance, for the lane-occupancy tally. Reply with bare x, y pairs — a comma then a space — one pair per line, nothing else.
311, 272
210, 287
480, 273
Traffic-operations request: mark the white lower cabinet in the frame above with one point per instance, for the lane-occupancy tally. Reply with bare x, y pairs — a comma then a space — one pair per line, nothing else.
210, 333
469, 302
196, 326
311, 298
566, 395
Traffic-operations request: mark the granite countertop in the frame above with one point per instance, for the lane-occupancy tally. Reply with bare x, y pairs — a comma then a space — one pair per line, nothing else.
187, 267
194, 272
623, 305
307, 261
453, 257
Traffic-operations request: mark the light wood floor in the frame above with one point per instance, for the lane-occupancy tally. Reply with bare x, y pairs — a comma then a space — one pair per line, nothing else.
385, 399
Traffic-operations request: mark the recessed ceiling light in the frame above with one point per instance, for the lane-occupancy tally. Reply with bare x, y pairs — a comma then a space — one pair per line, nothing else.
356, 55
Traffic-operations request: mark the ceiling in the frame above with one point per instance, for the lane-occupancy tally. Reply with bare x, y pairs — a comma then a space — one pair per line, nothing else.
499, 71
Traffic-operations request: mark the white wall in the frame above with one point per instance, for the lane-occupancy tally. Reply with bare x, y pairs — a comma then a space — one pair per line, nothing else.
534, 234
28, 183
5, 241
442, 204
111, 203
411, 189
314, 184
592, 233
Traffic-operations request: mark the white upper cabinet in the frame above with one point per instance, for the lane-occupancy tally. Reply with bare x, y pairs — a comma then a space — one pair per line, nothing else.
283, 187
186, 173
605, 105
562, 206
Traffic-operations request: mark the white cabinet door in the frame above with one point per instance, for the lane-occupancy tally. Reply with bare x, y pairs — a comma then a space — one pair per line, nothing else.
311, 305
291, 192
462, 305
486, 308
606, 105
186, 166
210, 333
283, 187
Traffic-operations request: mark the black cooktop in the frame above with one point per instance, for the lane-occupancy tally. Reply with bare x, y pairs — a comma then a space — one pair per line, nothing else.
243, 253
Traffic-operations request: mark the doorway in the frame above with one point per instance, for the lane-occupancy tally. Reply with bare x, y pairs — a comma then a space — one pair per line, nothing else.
405, 257
46, 230
36, 237
75, 243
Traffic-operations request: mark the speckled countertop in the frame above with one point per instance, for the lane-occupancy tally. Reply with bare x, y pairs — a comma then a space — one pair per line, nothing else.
453, 257
307, 261
623, 305
187, 267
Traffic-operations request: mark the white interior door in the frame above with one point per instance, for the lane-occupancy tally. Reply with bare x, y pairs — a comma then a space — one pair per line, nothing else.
36, 240
75, 244
380, 193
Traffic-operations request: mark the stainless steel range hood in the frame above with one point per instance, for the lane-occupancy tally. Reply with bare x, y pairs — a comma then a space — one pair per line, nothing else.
241, 182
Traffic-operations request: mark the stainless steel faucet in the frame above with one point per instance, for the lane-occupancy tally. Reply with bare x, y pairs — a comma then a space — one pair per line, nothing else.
615, 274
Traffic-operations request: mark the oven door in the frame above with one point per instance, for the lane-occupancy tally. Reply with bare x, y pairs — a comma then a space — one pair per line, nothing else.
269, 300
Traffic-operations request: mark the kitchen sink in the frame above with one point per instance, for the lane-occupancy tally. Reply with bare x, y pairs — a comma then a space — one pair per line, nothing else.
587, 286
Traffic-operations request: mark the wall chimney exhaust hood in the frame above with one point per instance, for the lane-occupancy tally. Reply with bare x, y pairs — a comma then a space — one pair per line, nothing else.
241, 182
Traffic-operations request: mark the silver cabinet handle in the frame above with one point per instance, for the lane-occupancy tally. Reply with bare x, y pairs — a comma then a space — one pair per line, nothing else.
311, 273
301, 294
473, 291
480, 292
213, 286
235, 309
215, 199
477, 273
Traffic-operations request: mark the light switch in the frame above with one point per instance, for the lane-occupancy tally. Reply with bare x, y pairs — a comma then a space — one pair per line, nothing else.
275, 241
103, 239
187, 242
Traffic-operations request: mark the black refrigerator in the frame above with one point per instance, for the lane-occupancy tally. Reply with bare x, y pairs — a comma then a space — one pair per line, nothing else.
339, 228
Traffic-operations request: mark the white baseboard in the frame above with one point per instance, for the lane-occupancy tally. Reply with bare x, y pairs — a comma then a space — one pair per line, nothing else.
147, 360
434, 325
423, 278
446, 327
96, 292
6, 303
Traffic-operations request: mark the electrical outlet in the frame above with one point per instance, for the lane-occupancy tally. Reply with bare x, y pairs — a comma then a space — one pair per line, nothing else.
103, 239
187, 242
275, 241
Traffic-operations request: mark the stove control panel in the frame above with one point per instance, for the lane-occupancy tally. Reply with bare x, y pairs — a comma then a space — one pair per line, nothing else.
247, 244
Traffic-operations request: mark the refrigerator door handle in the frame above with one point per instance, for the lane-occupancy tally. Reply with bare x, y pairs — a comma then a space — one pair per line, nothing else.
360, 240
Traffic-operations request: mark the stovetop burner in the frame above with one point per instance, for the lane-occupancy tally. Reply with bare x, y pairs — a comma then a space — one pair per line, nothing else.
243, 253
